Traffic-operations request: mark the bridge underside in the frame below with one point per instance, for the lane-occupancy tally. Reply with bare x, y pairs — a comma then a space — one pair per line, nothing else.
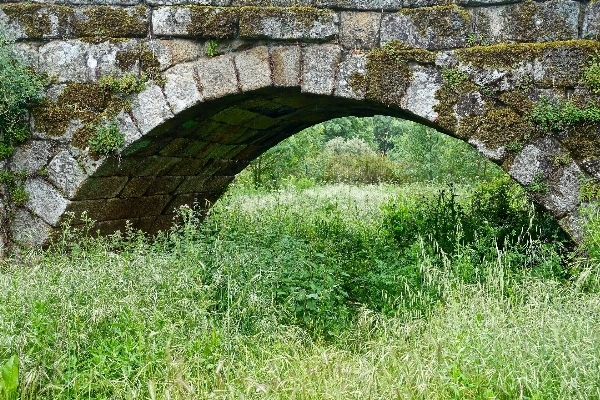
192, 158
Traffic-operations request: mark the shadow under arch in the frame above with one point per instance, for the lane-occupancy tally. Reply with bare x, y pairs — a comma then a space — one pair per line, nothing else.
192, 157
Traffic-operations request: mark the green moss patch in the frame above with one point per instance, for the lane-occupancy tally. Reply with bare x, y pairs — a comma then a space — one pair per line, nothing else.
497, 127
510, 55
448, 96
104, 21
36, 18
213, 22
388, 73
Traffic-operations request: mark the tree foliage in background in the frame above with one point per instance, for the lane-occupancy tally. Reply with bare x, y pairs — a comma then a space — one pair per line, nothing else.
367, 150
20, 87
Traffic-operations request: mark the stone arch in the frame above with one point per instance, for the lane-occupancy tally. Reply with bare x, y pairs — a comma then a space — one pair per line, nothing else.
474, 71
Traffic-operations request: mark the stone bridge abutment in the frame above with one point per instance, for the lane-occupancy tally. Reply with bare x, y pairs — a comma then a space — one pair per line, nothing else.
198, 89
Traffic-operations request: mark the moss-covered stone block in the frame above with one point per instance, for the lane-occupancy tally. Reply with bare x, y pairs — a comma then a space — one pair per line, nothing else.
100, 22
36, 21
432, 28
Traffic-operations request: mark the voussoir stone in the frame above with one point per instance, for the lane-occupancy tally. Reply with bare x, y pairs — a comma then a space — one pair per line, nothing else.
181, 87
66, 173
150, 109
319, 68
354, 63
45, 201
217, 77
65, 61
253, 68
29, 229
286, 65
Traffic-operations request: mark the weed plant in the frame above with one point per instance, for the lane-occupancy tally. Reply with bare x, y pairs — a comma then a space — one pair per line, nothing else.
304, 295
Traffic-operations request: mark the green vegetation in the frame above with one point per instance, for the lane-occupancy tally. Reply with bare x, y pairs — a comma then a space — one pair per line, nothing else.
211, 48
591, 74
367, 150
558, 115
19, 89
15, 183
311, 294
107, 138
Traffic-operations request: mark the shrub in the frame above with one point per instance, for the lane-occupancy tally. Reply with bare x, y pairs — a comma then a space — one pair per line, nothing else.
20, 88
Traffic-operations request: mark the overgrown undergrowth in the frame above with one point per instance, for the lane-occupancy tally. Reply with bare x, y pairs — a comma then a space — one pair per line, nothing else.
308, 295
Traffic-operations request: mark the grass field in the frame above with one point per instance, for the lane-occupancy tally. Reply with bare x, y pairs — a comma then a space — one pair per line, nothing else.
301, 295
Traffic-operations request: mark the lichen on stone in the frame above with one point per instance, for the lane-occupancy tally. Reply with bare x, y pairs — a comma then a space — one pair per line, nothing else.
252, 18
448, 20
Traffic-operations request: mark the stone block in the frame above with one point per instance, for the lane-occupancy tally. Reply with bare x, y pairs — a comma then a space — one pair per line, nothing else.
271, 3
526, 165
359, 30
171, 21
156, 166
45, 201
150, 109
66, 61
36, 21
420, 94
117, 208
319, 67
163, 185
188, 2
527, 22
101, 22
176, 51
293, 23
253, 68
66, 173
217, 77
27, 53
197, 184
178, 201
32, 155
29, 229
431, 28
128, 128
195, 21
106, 2
136, 187
188, 166
286, 65
100, 188
354, 63
101, 59
91, 208
181, 88
591, 21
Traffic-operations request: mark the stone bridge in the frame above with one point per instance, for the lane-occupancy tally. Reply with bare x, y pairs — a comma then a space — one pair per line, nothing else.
199, 88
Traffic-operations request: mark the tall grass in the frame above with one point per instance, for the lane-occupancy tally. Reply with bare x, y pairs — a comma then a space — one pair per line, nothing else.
303, 296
